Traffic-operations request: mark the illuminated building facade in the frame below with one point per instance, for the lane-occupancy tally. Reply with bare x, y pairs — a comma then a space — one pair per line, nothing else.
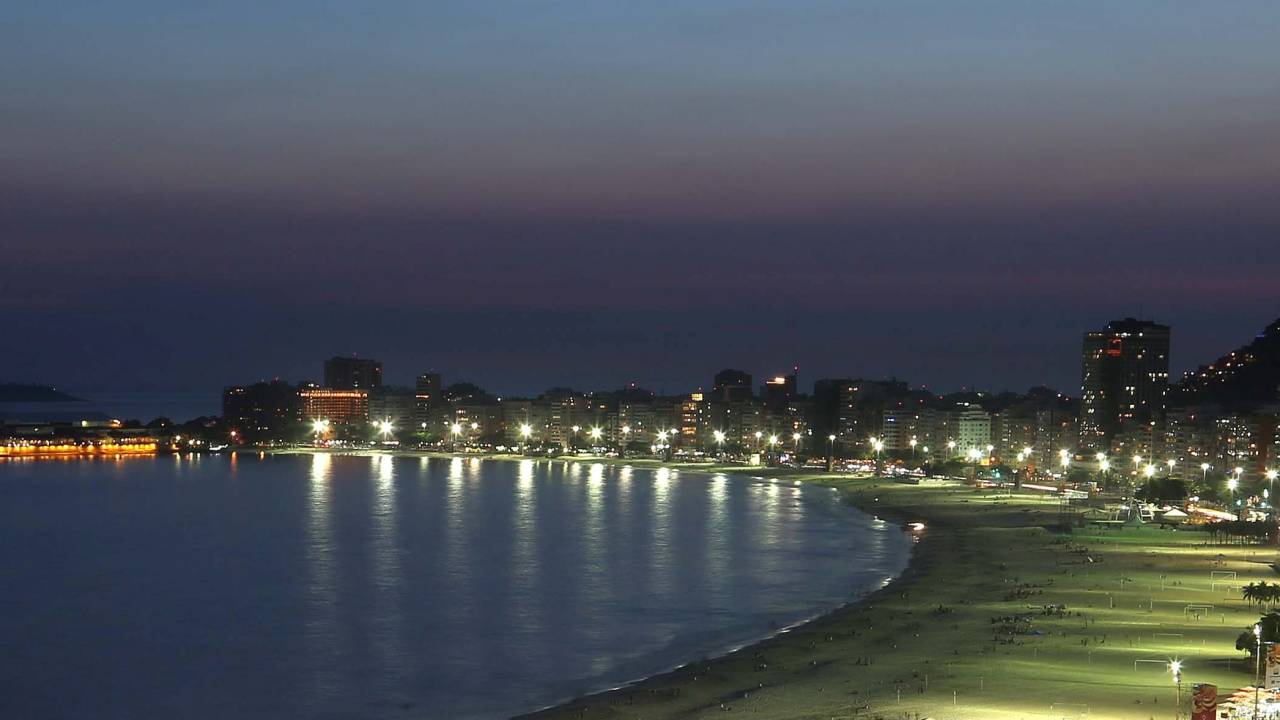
340, 407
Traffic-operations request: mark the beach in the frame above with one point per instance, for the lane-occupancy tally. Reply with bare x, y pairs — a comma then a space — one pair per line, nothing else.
1002, 613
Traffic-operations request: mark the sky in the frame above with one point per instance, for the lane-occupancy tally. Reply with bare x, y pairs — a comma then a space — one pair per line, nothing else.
531, 194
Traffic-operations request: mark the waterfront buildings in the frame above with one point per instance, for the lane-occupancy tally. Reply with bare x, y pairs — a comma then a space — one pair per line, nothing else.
1124, 383
262, 410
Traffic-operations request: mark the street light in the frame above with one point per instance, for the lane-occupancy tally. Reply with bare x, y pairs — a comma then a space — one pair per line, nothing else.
1064, 456
1175, 669
719, 437
595, 434
796, 438
913, 447
1170, 462
1257, 643
525, 431
319, 427
1149, 470
386, 428
1204, 472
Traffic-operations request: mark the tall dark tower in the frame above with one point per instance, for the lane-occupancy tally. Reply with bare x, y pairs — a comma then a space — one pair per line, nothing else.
1124, 379
352, 373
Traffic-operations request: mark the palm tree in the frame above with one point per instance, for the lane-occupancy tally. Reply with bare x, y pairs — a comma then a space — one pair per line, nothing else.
1250, 593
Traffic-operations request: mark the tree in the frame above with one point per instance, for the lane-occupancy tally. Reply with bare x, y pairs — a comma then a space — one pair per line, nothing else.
1270, 625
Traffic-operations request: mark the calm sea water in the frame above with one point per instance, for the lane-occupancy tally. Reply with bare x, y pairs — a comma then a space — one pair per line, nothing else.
378, 587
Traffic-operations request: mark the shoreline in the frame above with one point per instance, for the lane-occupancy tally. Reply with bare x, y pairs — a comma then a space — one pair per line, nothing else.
923, 543
1003, 612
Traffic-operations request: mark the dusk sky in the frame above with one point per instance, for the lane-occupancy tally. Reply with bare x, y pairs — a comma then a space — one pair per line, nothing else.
527, 194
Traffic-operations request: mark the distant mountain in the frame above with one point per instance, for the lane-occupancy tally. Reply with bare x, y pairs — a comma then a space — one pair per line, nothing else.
15, 393
1242, 379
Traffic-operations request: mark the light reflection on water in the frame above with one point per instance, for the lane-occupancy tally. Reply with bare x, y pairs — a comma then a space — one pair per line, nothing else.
329, 586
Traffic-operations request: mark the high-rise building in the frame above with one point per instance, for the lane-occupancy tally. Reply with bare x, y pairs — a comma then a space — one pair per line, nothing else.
1124, 380
427, 393
778, 391
262, 410
352, 373
396, 405
731, 386
340, 407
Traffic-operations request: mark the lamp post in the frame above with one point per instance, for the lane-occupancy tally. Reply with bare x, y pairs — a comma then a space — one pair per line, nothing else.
913, 447
951, 447
1171, 462
758, 436
525, 431
454, 431
877, 444
773, 445
831, 452
1175, 668
1257, 636
719, 438
1204, 473
626, 438
1270, 475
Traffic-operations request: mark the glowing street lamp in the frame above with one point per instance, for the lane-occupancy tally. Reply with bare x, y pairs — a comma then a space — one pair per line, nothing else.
795, 437
913, 446
1204, 472
1175, 669
1149, 470
595, 434
1064, 457
526, 430
1170, 462
773, 441
1137, 459
386, 428
319, 427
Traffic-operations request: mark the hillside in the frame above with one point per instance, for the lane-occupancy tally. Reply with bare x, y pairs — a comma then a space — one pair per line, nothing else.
1243, 378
